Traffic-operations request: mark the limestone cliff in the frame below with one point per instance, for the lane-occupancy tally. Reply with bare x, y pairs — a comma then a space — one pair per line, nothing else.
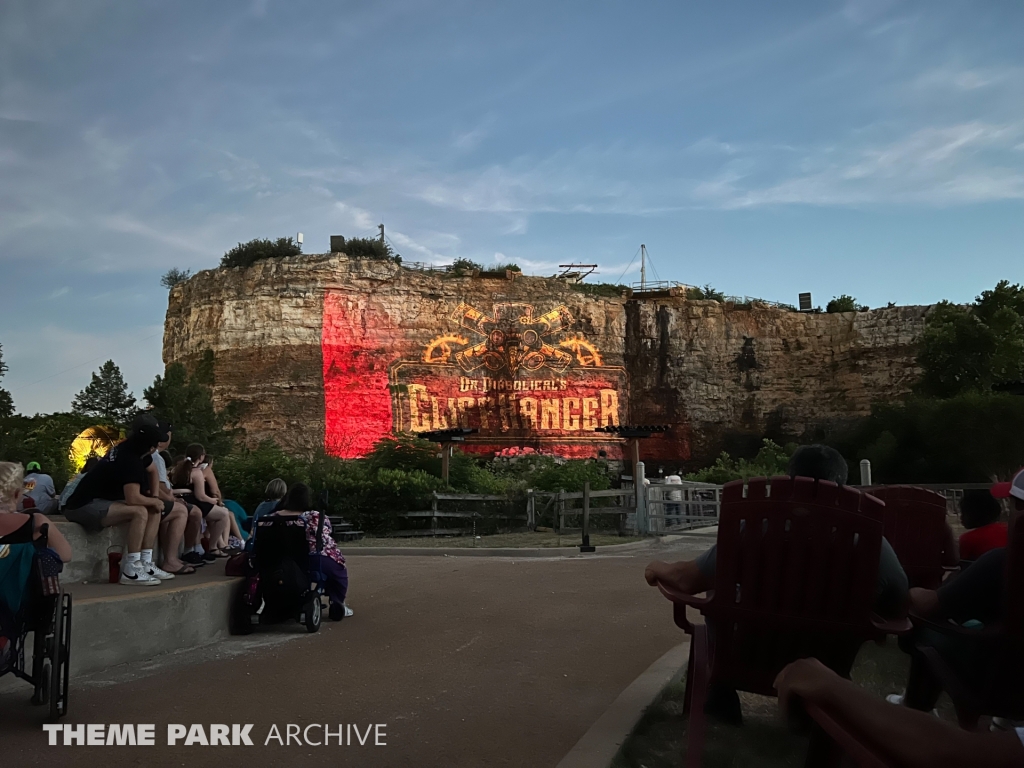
327, 350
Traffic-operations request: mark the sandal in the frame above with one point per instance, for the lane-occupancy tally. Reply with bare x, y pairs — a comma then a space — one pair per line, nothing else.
219, 553
185, 570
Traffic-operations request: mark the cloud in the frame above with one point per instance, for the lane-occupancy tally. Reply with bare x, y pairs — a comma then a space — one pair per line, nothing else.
936, 166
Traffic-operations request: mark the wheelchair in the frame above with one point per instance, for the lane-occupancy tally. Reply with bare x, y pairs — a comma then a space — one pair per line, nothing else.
45, 613
284, 581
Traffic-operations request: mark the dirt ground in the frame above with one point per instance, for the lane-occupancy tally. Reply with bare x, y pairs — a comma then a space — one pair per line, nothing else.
474, 661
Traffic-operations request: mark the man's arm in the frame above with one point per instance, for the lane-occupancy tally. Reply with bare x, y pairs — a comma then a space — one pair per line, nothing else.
133, 495
899, 735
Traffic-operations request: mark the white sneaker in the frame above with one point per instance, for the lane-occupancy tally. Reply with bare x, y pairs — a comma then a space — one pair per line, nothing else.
136, 575
895, 698
158, 573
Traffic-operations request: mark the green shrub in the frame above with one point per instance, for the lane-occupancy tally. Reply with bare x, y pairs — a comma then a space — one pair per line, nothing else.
772, 459
608, 290
369, 248
465, 265
845, 303
707, 293
247, 254
571, 476
173, 276
244, 474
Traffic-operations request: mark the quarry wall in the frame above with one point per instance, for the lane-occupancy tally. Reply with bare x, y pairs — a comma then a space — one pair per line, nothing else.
329, 351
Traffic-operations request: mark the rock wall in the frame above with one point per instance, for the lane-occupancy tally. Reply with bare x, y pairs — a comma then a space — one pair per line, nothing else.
336, 352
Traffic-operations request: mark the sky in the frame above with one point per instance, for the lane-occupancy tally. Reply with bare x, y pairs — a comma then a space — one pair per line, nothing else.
870, 147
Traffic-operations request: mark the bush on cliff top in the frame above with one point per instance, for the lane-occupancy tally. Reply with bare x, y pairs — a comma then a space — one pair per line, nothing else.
247, 254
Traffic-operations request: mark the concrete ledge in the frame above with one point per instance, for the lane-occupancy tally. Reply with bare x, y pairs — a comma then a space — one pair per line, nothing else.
605, 737
114, 624
89, 550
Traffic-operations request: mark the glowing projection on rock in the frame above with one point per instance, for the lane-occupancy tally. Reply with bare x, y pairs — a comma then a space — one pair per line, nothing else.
518, 377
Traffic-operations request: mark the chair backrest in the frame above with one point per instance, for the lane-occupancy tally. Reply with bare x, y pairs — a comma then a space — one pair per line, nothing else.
280, 538
797, 568
915, 525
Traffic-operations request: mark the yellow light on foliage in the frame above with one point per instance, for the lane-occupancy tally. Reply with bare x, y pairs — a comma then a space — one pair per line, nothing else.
95, 441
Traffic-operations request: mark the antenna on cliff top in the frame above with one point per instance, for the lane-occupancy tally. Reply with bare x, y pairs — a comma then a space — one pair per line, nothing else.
381, 228
643, 267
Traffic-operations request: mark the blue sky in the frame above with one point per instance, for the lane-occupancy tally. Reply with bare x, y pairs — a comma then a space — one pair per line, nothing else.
869, 147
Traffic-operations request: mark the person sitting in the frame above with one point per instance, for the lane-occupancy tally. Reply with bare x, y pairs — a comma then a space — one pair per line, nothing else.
976, 598
979, 514
179, 519
275, 491
896, 735
24, 527
298, 503
238, 513
39, 492
71, 484
111, 494
694, 576
190, 483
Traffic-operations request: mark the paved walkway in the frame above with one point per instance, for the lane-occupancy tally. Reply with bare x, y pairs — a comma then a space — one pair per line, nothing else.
470, 661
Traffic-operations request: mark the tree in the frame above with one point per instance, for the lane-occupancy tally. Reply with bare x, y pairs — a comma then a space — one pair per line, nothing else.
247, 254
974, 348
106, 397
6, 401
844, 303
173, 276
186, 402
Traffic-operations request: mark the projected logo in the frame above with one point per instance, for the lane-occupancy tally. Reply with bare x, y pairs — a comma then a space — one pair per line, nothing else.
514, 375
518, 376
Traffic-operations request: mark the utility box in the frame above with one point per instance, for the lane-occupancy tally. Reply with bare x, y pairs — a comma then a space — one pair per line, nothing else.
805, 298
337, 243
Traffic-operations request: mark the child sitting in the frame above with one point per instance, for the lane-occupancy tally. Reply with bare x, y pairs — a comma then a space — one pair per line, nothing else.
979, 514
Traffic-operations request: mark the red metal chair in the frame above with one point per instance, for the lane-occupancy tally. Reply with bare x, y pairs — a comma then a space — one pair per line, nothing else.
916, 527
797, 567
999, 692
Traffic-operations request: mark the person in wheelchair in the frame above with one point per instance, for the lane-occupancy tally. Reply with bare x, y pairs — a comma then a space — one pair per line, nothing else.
298, 505
32, 551
23, 527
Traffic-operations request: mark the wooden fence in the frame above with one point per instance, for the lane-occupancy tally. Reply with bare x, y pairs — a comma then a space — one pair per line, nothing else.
485, 514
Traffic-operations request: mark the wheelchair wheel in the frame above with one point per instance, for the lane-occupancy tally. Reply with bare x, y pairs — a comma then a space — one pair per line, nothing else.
311, 611
240, 613
60, 658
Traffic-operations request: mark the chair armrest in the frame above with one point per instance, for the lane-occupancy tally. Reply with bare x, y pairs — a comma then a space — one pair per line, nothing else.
680, 600
862, 755
891, 626
681, 597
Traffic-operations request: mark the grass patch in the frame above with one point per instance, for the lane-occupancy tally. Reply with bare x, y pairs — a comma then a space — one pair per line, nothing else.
659, 740
609, 290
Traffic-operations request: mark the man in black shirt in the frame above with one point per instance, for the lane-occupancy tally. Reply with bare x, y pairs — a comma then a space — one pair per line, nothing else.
111, 494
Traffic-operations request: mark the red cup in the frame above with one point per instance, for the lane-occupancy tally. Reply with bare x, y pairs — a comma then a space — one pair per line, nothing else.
114, 565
